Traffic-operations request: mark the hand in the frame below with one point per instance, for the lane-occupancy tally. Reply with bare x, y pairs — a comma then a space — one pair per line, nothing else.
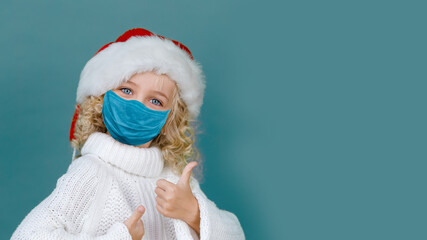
177, 200
135, 224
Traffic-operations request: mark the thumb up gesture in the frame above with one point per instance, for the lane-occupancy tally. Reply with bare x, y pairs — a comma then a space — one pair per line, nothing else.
177, 200
135, 224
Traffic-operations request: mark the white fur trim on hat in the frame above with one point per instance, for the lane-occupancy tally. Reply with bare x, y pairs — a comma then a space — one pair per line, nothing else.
121, 60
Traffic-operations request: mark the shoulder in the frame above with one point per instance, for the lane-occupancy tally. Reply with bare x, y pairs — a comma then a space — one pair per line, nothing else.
75, 192
74, 189
81, 173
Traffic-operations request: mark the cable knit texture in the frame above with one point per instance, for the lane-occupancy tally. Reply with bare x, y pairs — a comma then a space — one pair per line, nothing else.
102, 188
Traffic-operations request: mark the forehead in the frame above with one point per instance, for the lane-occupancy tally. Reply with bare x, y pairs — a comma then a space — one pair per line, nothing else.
152, 81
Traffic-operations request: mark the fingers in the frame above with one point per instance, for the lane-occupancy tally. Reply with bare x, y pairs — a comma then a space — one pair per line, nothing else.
137, 214
186, 173
164, 184
160, 192
161, 206
160, 201
184, 179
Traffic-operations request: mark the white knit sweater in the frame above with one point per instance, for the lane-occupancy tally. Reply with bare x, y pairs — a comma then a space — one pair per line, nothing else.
103, 187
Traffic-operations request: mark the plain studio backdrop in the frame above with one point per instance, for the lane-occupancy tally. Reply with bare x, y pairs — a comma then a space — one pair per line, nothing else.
313, 123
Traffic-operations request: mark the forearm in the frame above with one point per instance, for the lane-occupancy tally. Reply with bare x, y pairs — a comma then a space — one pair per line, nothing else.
216, 223
194, 219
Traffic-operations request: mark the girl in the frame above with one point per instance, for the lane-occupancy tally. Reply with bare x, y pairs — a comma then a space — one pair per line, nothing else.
136, 99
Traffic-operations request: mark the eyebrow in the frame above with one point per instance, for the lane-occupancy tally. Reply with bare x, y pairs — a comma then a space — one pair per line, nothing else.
159, 92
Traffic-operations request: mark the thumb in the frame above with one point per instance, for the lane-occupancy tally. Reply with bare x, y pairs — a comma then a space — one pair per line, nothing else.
137, 214
186, 173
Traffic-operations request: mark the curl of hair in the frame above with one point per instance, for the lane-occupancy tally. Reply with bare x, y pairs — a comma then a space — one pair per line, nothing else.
176, 139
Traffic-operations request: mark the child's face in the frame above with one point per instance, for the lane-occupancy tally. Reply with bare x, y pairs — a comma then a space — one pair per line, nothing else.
153, 90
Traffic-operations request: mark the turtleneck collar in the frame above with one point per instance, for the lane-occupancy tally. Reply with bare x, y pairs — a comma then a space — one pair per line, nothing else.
144, 162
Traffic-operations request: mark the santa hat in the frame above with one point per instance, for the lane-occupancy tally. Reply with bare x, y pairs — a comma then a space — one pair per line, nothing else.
139, 50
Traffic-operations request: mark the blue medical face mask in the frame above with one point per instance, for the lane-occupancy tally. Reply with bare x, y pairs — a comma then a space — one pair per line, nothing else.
130, 121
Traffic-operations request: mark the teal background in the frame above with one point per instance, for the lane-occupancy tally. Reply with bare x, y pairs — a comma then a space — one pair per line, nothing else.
313, 123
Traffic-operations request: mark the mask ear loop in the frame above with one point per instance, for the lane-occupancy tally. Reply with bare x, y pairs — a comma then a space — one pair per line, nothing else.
73, 123
74, 154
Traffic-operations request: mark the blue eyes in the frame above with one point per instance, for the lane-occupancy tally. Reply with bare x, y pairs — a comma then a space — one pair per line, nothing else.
127, 91
158, 101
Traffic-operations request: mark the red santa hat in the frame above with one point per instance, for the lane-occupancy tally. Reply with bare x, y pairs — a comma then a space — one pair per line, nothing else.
139, 50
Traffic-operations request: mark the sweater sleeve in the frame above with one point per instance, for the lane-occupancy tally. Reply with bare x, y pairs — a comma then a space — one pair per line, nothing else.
215, 223
62, 214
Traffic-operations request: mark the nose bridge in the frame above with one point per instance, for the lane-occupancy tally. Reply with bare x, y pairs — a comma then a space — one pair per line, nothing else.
141, 96
144, 88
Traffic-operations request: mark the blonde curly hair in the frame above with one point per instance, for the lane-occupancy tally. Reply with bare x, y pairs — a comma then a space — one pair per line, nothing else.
176, 139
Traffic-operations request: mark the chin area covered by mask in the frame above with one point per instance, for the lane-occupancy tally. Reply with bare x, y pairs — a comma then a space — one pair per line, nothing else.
130, 121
